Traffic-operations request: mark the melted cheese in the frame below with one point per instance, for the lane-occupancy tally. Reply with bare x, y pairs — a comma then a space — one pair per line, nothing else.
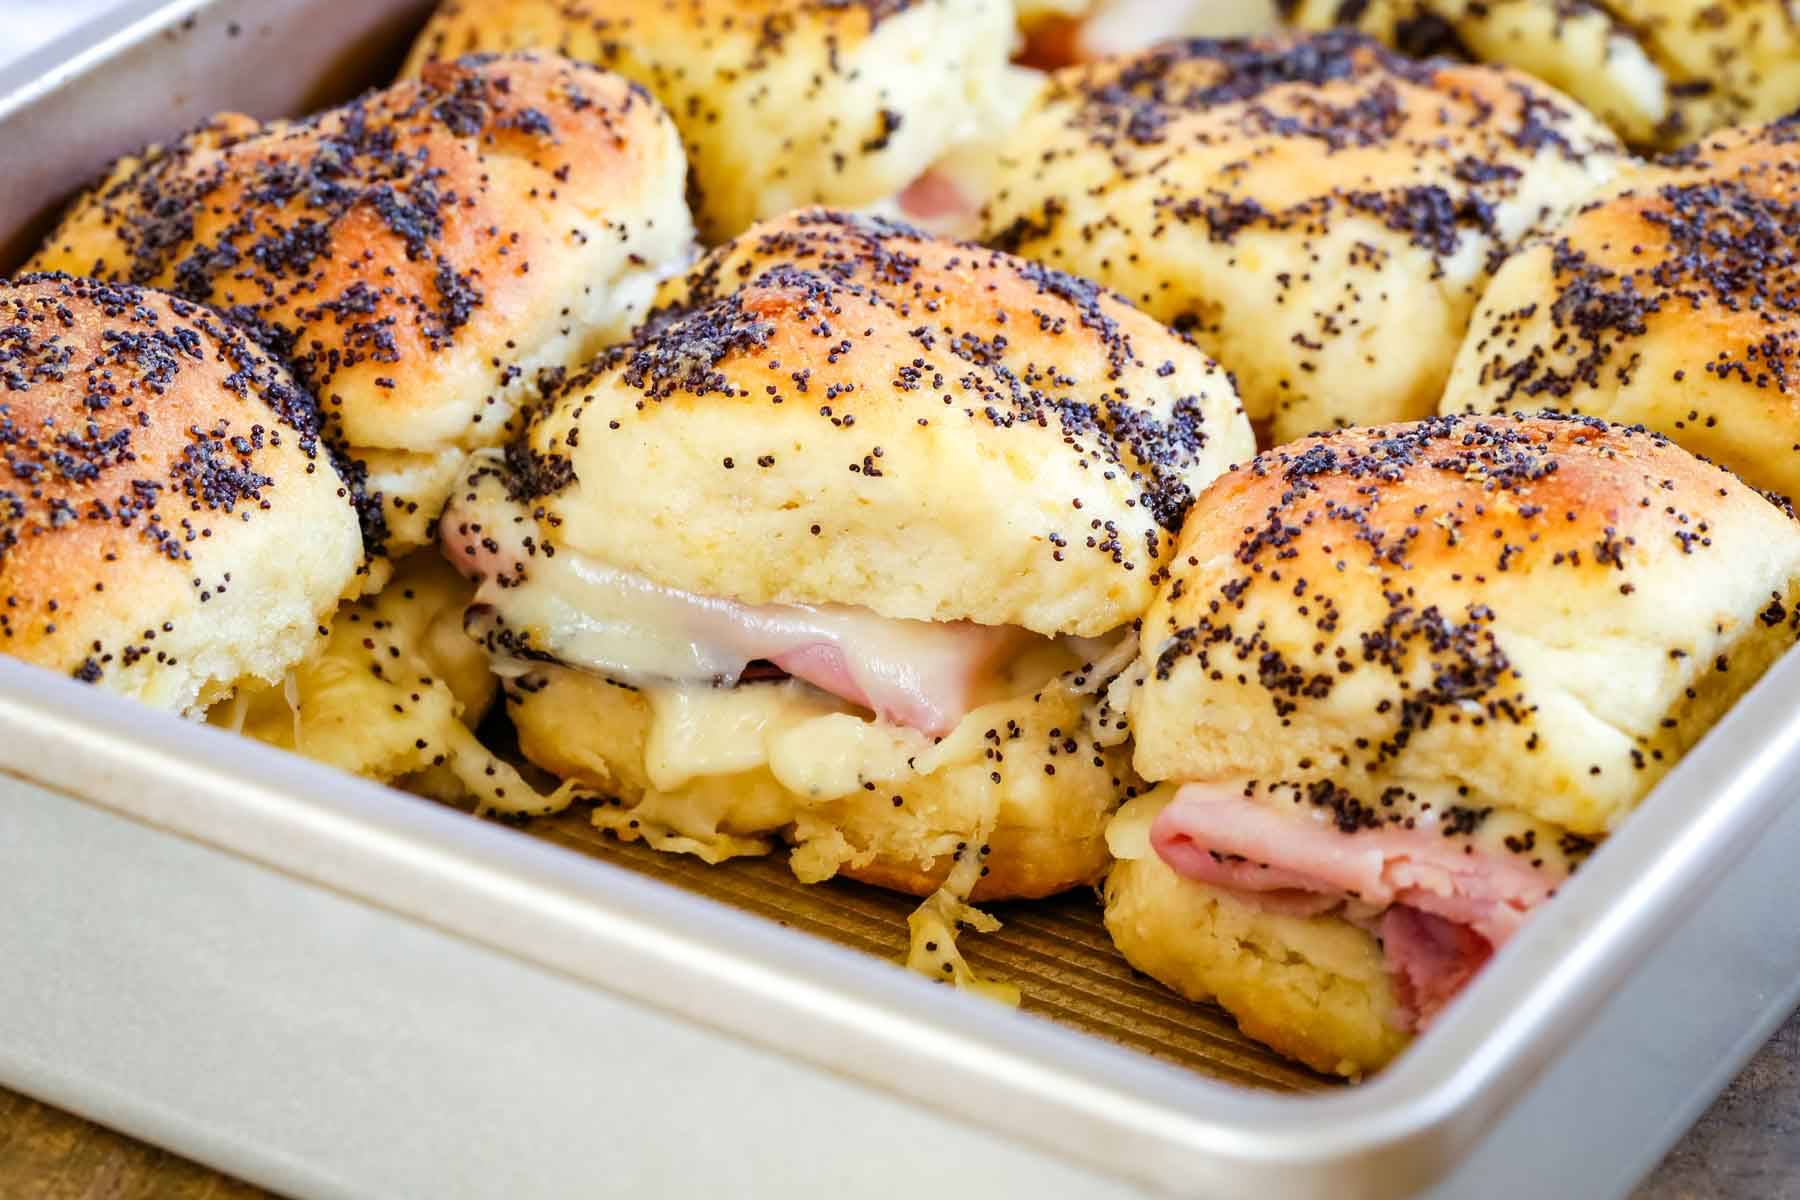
933, 928
1128, 833
698, 731
390, 696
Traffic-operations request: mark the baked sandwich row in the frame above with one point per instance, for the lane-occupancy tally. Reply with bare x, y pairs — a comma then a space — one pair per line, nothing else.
949, 566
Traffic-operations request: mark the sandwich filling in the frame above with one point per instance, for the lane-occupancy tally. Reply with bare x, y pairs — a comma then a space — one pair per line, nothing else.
1440, 891
537, 604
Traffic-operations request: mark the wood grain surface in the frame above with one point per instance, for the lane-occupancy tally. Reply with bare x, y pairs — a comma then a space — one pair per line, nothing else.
1747, 1147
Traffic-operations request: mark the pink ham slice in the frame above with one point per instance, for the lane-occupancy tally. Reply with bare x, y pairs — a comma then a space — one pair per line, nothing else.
1429, 959
1446, 909
933, 197
925, 678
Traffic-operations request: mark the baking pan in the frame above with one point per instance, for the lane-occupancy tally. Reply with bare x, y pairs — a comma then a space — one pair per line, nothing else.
335, 989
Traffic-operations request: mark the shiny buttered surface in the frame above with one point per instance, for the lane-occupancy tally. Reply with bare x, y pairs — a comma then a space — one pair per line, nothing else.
417, 256
1670, 300
1661, 72
781, 103
1319, 214
170, 523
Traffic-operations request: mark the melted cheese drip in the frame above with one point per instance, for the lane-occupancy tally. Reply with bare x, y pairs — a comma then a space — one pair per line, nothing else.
935, 924
389, 695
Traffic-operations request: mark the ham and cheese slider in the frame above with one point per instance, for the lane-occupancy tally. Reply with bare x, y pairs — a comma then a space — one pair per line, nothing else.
1661, 72
840, 548
171, 527
1319, 213
783, 103
1400, 681
1671, 300
417, 256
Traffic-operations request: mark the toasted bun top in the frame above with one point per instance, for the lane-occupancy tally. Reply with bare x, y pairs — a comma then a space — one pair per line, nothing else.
1318, 212
168, 519
781, 103
1537, 613
1661, 72
408, 251
839, 409
1672, 301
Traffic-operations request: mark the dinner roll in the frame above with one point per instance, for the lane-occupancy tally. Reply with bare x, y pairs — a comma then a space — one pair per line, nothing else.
846, 443
781, 103
169, 524
1479, 639
419, 255
1319, 213
837, 410
1661, 72
1669, 301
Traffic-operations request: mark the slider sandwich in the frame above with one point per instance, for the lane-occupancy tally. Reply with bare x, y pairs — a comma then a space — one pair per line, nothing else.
840, 549
784, 103
171, 527
1671, 299
1318, 213
1398, 683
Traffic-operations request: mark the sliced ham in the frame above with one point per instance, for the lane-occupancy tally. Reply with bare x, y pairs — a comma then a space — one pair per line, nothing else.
925, 675
1440, 904
934, 197
1429, 959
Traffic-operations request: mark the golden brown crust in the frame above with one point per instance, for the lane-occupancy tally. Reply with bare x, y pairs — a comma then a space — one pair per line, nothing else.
1537, 615
169, 522
836, 409
1661, 72
780, 103
414, 254
1318, 212
1672, 301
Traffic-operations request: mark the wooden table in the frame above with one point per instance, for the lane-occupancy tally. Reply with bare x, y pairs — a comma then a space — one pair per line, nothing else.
1747, 1146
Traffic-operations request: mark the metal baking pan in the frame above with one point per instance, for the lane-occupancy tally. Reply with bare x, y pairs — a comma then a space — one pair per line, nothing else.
334, 989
